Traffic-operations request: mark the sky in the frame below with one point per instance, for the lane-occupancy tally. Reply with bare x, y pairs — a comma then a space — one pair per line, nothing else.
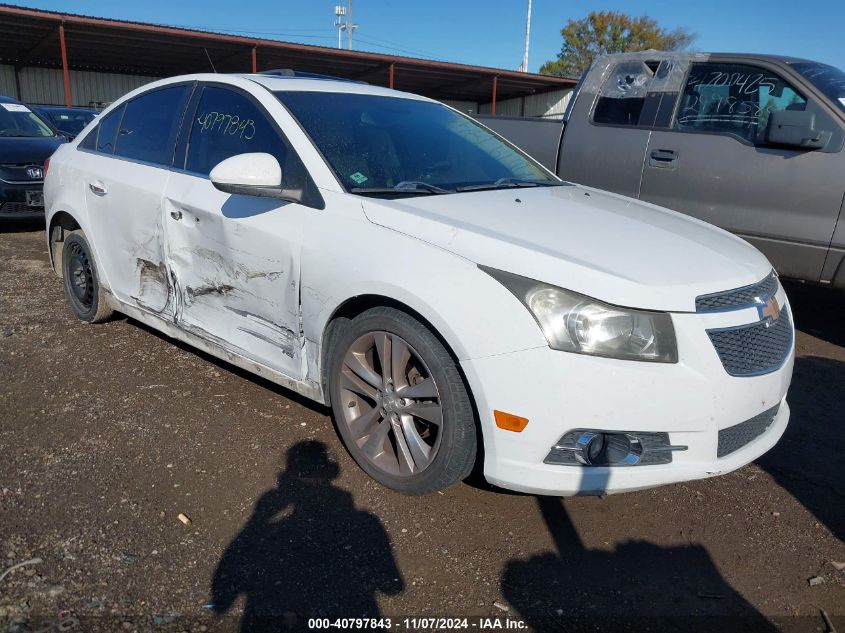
492, 33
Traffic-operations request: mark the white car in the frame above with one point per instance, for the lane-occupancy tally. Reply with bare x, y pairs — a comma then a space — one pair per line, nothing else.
453, 301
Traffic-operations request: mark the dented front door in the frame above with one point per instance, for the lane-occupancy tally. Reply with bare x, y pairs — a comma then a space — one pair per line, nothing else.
234, 261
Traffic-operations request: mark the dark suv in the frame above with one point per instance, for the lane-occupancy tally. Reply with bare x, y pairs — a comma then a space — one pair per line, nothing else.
26, 141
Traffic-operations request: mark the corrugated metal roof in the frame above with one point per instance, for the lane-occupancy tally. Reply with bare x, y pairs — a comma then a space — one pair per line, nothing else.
29, 37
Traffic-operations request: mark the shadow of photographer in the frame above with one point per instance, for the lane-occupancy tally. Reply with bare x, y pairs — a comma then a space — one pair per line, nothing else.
638, 586
306, 552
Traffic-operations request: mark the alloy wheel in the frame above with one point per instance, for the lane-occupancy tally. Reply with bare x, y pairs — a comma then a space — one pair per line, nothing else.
391, 404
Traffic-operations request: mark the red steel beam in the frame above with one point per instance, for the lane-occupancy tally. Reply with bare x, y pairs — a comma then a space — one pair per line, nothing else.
392, 70
65, 73
254, 59
495, 87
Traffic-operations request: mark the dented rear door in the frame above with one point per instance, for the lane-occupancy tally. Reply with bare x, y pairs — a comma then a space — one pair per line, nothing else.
125, 179
234, 260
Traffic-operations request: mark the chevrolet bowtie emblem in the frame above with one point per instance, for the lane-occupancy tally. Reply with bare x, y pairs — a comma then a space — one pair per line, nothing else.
770, 310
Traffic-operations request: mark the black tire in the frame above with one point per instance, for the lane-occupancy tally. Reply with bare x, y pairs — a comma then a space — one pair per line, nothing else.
81, 281
455, 442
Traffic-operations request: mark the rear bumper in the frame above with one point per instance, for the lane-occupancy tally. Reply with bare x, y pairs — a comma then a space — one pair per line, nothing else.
691, 400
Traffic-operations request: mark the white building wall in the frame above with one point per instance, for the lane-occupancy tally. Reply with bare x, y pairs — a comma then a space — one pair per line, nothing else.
46, 86
548, 105
467, 107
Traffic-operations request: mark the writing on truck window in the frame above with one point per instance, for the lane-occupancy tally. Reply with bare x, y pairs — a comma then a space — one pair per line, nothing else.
733, 99
224, 123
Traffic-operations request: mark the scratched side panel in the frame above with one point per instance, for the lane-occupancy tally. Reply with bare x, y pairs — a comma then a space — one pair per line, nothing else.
234, 266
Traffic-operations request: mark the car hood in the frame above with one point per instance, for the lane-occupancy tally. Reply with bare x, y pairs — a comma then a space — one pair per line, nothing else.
27, 150
603, 245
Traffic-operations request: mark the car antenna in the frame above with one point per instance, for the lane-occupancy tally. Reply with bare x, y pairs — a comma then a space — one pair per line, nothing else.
209, 59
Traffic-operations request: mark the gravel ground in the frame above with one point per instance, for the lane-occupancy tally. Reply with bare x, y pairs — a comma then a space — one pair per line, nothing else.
109, 432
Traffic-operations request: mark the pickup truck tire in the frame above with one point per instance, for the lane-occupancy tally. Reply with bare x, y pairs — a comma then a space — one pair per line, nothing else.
407, 421
81, 281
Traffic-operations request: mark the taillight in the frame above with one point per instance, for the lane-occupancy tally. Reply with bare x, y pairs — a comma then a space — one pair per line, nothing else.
46, 166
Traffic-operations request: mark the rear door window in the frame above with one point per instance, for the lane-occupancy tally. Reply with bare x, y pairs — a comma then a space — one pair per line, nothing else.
734, 99
148, 129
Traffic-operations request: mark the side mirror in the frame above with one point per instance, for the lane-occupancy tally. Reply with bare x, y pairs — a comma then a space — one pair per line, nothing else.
253, 174
795, 128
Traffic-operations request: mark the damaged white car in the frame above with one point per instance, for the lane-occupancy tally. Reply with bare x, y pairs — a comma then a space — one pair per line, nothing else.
454, 302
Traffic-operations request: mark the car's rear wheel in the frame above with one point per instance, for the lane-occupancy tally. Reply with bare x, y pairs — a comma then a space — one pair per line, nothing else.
81, 282
400, 403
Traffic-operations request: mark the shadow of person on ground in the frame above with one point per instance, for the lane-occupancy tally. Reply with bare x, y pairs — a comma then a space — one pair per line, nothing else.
638, 586
817, 310
18, 225
306, 552
809, 460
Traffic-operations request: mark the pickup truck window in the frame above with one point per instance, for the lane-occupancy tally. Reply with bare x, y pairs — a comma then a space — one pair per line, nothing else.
623, 95
374, 142
735, 99
828, 79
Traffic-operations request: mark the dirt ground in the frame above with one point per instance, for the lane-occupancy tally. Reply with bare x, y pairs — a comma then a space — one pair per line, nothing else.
108, 432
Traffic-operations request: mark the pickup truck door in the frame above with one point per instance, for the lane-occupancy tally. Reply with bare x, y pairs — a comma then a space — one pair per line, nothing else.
607, 130
710, 160
235, 258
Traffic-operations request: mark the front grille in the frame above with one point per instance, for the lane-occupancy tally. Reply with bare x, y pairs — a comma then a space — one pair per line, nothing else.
755, 349
735, 437
738, 298
17, 207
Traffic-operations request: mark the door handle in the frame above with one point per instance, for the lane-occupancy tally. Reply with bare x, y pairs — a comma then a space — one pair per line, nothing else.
97, 188
665, 158
176, 214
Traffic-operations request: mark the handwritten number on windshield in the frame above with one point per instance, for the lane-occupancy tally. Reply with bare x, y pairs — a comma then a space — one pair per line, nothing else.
223, 123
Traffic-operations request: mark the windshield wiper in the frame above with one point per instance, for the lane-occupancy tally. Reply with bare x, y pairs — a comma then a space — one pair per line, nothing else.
510, 182
404, 187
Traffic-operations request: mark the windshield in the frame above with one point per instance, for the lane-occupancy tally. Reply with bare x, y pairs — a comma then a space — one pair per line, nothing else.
70, 121
379, 144
17, 120
828, 79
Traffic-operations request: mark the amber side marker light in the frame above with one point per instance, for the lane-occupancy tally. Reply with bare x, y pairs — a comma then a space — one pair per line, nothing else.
509, 421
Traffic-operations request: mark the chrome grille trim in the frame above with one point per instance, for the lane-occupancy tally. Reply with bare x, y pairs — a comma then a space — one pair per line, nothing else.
739, 435
754, 349
738, 298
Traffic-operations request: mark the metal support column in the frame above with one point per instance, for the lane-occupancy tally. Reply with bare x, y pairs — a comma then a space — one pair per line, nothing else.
65, 72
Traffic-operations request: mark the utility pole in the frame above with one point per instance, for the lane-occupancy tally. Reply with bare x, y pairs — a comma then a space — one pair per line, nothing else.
350, 25
523, 67
343, 22
339, 12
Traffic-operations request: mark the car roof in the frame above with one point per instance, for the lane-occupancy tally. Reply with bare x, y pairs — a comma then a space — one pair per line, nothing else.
277, 83
59, 108
4, 99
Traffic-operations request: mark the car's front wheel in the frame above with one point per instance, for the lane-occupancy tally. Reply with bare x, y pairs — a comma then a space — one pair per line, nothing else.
400, 403
81, 282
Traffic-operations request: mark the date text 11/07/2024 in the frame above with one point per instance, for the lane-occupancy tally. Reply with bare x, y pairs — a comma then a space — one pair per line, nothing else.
481, 623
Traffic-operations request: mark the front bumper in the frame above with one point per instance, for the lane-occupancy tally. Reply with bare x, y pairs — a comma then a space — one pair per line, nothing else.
691, 400
16, 200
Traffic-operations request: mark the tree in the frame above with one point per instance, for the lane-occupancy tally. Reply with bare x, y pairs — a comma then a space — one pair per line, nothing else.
610, 32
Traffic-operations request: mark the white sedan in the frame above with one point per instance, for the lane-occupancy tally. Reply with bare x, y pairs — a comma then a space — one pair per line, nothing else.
454, 302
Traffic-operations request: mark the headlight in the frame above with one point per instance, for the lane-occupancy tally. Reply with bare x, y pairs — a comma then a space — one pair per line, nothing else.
573, 322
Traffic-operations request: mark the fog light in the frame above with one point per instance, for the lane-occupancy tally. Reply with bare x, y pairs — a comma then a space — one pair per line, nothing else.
608, 449
587, 447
